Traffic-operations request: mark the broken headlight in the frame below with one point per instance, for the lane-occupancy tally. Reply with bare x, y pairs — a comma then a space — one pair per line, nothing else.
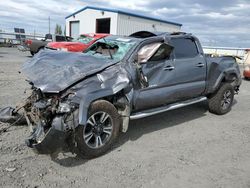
64, 108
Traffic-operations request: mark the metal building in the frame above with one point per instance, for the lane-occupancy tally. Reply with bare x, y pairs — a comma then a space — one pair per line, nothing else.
116, 22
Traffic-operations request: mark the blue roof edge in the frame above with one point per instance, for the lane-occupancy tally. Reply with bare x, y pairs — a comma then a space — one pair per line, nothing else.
123, 12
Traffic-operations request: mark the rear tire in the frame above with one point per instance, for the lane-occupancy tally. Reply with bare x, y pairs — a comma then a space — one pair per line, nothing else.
221, 102
101, 130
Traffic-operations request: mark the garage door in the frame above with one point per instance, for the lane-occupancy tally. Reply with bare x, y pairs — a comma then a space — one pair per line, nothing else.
74, 29
103, 25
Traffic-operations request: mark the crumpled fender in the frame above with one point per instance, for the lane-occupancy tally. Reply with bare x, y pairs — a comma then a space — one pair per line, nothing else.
88, 99
107, 83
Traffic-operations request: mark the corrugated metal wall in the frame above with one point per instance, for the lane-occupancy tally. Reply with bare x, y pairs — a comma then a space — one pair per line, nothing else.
121, 24
87, 21
129, 24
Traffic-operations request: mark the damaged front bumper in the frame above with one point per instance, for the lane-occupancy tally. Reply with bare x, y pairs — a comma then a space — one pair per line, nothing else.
50, 140
47, 142
51, 121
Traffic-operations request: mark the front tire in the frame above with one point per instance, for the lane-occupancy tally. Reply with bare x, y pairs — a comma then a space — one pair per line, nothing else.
221, 102
100, 131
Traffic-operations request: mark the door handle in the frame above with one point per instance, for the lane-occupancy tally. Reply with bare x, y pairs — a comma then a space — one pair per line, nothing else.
169, 67
200, 65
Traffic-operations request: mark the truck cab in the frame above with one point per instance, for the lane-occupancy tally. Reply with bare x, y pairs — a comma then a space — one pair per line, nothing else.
35, 45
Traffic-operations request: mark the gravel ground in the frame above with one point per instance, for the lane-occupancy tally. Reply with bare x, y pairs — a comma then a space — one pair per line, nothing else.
188, 147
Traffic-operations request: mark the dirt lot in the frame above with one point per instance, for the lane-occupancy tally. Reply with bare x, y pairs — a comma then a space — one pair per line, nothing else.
188, 147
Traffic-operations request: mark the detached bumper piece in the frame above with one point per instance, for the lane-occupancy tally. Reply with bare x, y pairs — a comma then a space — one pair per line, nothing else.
10, 115
47, 142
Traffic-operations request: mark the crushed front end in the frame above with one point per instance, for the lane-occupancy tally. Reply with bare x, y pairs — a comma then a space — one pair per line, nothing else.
51, 119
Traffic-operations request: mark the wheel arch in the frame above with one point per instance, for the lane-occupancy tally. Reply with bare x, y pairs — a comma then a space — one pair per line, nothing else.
108, 95
226, 76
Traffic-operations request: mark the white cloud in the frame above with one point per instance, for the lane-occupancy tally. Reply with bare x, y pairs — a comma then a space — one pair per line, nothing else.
217, 15
34, 15
129, 4
166, 10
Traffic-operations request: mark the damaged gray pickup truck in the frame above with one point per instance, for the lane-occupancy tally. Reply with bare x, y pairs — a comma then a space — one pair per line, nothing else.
85, 99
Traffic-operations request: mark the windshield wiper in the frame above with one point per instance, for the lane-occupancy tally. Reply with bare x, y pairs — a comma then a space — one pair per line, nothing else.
108, 48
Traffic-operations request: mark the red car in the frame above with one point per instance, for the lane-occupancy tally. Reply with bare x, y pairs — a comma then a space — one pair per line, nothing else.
79, 45
246, 72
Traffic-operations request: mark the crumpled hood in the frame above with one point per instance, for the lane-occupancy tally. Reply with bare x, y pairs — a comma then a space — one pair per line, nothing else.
54, 71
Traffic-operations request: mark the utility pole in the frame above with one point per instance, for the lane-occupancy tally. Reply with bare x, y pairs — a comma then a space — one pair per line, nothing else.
49, 24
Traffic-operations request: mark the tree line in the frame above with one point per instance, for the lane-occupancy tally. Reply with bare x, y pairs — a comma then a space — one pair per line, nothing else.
58, 30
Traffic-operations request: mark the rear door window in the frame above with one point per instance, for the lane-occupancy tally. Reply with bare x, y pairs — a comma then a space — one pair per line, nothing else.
184, 48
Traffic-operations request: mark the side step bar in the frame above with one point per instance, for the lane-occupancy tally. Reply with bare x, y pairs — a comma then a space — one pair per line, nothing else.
158, 110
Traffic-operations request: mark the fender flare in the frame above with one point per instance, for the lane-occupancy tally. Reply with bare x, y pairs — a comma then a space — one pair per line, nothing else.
224, 75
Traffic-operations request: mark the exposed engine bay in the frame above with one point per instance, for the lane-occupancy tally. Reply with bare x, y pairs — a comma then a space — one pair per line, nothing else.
49, 116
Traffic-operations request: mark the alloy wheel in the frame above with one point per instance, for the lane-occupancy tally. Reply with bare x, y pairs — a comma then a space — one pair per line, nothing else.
226, 100
98, 130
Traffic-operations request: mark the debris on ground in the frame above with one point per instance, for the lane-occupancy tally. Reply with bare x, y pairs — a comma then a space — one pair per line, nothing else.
9, 115
10, 169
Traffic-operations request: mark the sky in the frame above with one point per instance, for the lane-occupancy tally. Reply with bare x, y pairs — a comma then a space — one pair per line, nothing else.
214, 22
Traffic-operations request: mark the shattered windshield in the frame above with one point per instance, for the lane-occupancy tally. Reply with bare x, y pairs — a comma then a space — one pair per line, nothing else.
84, 39
111, 48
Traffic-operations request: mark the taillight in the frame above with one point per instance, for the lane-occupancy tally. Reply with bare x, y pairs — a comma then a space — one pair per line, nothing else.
28, 42
247, 68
